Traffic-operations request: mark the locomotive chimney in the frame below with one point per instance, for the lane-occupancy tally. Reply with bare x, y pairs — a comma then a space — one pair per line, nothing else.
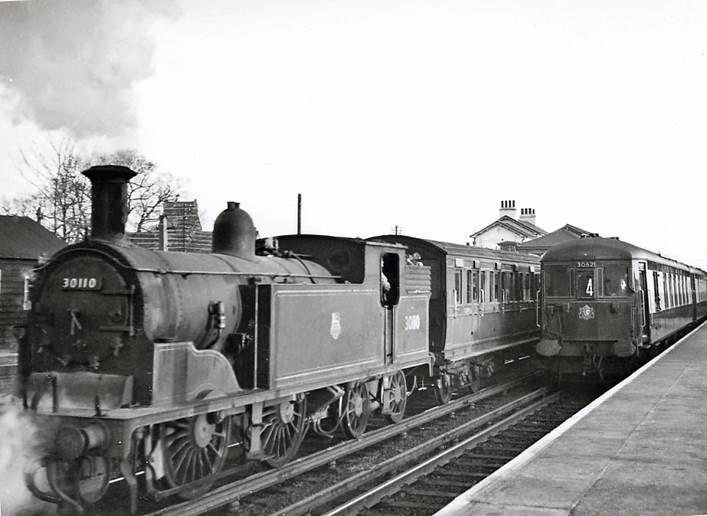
109, 200
234, 233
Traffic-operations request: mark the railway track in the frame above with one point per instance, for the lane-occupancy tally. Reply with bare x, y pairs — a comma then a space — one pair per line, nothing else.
429, 485
263, 492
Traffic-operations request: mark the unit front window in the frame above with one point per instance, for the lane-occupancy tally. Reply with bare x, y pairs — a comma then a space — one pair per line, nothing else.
616, 278
556, 281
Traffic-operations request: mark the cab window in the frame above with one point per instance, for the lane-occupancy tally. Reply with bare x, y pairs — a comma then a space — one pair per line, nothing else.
390, 279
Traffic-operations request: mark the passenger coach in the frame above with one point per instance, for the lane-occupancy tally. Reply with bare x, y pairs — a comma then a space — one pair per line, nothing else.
606, 303
482, 309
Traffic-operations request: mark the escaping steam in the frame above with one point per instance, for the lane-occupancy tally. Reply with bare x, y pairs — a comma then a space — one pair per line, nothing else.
19, 436
72, 63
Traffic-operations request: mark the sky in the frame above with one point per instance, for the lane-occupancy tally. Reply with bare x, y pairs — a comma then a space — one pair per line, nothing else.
419, 114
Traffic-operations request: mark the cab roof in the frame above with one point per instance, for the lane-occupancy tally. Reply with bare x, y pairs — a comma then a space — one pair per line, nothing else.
598, 248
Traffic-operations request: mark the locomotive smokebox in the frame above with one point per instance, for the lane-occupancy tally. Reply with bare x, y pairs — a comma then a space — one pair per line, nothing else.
109, 200
234, 233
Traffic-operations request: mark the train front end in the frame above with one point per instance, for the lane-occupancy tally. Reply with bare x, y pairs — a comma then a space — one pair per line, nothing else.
590, 308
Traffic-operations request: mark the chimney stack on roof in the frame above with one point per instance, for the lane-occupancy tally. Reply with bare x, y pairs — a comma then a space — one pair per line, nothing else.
507, 208
527, 215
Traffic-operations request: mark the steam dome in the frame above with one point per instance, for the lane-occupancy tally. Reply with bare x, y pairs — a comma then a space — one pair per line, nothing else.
234, 233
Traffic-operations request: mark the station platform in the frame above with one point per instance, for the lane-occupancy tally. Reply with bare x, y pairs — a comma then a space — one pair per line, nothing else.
641, 448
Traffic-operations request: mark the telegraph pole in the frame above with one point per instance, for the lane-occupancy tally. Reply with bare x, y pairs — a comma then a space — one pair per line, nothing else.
299, 213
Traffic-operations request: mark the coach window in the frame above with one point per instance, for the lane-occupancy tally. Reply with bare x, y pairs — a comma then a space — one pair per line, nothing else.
527, 286
495, 277
483, 291
458, 286
616, 280
667, 287
556, 281
390, 279
656, 290
506, 285
520, 286
469, 293
475, 286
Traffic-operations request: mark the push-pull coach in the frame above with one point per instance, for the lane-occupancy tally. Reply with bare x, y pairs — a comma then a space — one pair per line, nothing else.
606, 304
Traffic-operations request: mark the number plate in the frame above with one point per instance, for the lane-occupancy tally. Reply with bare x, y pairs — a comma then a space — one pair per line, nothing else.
82, 283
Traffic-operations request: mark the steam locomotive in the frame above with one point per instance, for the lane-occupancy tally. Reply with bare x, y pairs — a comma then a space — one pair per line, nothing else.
606, 304
153, 363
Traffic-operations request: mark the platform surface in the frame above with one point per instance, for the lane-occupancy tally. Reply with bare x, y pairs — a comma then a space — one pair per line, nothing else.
641, 448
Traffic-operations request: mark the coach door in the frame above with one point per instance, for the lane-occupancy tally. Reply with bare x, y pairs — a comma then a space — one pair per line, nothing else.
693, 297
643, 308
390, 295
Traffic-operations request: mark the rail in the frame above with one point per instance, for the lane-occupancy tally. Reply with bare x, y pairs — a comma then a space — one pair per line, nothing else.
410, 456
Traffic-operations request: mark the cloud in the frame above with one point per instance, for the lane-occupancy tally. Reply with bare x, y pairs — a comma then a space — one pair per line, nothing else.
72, 63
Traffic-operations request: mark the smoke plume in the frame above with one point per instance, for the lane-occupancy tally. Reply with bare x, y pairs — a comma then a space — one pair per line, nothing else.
72, 63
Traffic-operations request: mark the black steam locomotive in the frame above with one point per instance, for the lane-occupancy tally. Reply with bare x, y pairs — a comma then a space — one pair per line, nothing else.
607, 303
153, 363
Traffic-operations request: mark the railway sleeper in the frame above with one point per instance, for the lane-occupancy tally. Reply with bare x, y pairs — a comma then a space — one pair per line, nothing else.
398, 504
446, 495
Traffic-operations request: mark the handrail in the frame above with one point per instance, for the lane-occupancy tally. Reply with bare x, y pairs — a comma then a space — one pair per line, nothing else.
537, 309
643, 307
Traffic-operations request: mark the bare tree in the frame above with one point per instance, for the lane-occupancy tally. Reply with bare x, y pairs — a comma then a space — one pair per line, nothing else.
62, 200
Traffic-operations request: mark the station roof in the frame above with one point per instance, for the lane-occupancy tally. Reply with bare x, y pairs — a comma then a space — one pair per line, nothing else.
566, 233
21, 238
521, 227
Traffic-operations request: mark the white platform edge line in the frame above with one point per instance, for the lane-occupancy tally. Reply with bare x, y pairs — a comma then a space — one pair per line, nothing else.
460, 502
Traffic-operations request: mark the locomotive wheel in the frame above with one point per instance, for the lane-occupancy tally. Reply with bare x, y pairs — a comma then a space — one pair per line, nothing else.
443, 389
399, 397
283, 431
195, 449
356, 410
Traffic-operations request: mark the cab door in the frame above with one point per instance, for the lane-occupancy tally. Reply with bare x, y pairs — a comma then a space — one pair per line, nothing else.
390, 296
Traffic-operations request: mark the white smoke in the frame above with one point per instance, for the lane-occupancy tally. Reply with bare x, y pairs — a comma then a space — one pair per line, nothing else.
72, 63
18, 437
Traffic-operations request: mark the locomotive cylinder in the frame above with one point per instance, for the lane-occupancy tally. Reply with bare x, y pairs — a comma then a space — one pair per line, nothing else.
72, 442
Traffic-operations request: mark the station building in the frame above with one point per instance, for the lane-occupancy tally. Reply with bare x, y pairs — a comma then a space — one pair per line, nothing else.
179, 230
24, 244
511, 232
